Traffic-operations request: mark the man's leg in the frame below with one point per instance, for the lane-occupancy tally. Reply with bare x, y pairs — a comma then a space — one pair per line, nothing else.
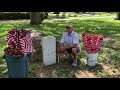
62, 52
75, 53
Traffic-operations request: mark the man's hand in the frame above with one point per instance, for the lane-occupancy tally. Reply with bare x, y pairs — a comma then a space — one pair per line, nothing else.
62, 47
71, 46
68, 47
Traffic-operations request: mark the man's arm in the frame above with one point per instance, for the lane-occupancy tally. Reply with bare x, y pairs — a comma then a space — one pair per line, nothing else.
71, 46
62, 47
75, 42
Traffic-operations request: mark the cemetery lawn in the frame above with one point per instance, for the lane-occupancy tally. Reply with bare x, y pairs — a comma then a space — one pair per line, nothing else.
108, 60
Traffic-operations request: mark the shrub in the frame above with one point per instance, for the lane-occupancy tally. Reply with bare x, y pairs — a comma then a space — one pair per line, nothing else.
14, 15
20, 15
43, 15
56, 12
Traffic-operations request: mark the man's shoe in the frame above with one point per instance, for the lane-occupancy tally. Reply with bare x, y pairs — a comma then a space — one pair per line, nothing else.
74, 64
78, 62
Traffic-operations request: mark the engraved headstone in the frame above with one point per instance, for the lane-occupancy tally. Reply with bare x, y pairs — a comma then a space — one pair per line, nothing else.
49, 50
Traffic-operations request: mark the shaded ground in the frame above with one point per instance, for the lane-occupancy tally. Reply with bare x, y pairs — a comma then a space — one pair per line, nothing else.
36, 39
105, 69
108, 60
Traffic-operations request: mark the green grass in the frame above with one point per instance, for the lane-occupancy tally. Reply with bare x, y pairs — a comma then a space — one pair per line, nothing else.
110, 55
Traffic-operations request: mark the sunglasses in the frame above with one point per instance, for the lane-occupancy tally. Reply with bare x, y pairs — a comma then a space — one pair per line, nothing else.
67, 27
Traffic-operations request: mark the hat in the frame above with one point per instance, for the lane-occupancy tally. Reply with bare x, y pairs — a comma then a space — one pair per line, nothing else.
70, 26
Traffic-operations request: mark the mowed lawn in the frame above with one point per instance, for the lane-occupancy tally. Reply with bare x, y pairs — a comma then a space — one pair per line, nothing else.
109, 57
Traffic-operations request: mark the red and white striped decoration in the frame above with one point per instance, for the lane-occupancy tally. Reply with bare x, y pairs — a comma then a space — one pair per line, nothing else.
26, 44
19, 42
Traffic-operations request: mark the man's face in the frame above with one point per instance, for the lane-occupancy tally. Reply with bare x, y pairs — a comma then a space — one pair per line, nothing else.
69, 30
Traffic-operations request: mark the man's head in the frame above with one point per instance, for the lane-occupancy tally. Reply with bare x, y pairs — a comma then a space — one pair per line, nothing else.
69, 29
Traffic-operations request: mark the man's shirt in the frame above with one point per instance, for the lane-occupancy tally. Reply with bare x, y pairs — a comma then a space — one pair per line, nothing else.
73, 38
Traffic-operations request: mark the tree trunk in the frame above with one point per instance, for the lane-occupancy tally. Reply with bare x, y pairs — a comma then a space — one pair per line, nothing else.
35, 18
118, 15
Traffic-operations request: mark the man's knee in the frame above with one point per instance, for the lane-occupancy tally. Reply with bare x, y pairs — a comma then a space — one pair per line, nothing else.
74, 50
63, 51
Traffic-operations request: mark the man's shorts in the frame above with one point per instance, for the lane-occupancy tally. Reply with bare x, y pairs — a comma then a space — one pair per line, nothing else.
70, 50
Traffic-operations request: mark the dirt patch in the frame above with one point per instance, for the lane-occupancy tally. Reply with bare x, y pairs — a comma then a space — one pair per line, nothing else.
112, 71
86, 74
47, 70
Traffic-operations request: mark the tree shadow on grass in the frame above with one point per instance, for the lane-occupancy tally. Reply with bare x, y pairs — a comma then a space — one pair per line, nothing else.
107, 69
63, 69
85, 71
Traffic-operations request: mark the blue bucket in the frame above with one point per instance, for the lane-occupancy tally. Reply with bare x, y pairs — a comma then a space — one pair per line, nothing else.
17, 66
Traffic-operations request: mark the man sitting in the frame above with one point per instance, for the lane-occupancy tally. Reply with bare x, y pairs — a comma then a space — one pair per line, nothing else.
70, 43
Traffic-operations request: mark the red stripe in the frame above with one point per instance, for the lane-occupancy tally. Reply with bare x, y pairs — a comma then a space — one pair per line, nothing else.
25, 43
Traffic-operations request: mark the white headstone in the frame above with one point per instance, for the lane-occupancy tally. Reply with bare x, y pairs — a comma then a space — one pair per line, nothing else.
49, 50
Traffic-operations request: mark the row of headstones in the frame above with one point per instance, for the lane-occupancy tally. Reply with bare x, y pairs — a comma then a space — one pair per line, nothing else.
76, 14
50, 55
63, 15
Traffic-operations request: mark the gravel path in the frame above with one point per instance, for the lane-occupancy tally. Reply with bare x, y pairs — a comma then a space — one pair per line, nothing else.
57, 19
